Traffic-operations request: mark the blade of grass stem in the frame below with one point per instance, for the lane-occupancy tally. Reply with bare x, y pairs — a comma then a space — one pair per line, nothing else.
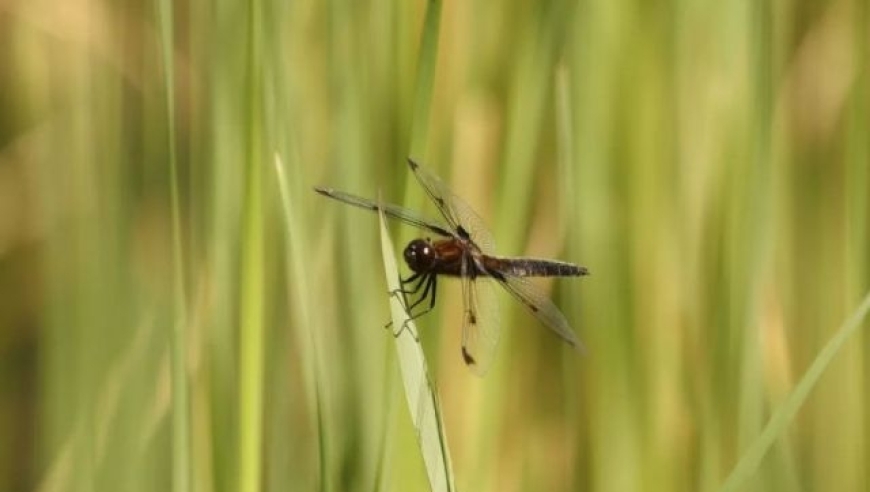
297, 257
252, 311
180, 386
425, 79
419, 390
531, 88
385, 447
750, 460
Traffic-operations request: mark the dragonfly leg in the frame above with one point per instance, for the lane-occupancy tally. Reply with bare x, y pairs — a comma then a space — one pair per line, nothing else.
429, 292
421, 279
430, 287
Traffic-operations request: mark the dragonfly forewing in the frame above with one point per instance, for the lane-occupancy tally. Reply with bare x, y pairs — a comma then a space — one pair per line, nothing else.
454, 209
394, 211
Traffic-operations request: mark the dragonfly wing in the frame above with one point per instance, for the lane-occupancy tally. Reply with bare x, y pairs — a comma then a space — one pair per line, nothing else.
456, 212
394, 211
480, 323
540, 305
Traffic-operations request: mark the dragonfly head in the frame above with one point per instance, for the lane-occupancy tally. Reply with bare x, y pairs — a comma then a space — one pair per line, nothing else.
420, 255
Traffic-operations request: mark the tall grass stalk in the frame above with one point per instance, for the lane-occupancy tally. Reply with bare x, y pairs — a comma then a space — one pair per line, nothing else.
181, 463
299, 278
776, 426
252, 325
426, 61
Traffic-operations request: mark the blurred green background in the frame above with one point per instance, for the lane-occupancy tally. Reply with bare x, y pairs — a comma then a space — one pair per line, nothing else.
167, 320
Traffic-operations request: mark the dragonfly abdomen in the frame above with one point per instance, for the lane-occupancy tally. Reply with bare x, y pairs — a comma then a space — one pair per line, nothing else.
534, 267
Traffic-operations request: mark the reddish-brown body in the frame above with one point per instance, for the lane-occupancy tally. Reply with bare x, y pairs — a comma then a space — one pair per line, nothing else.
446, 256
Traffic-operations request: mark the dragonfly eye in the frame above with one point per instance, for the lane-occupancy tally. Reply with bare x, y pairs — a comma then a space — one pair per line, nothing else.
420, 255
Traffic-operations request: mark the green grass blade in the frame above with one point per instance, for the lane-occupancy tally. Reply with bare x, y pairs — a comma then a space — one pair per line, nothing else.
252, 337
425, 79
299, 274
419, 390
180, 387
752, 457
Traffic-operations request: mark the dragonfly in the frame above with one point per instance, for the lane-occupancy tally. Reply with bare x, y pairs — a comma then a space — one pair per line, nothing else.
462, 247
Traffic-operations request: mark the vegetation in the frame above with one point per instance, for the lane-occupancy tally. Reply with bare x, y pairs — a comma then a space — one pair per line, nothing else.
180, 311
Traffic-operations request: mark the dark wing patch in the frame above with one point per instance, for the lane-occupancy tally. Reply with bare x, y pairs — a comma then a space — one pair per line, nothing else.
480, 322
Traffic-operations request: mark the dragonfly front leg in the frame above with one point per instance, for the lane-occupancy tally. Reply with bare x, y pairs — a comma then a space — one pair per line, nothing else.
421, 280
429, 292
